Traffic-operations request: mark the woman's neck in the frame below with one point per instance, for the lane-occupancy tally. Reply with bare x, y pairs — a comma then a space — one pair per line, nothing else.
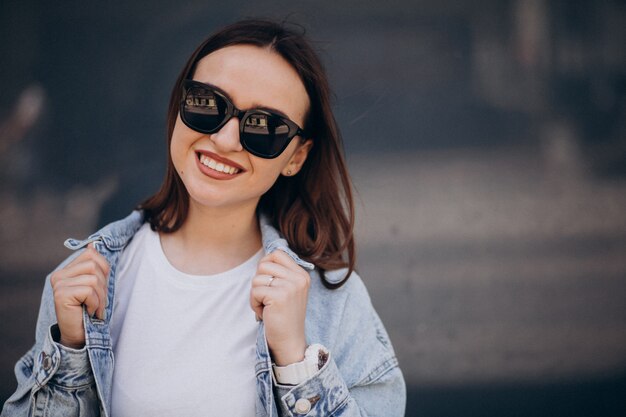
213, 240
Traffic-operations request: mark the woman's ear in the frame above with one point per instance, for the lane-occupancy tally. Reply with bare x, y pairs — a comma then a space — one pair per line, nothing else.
297, 159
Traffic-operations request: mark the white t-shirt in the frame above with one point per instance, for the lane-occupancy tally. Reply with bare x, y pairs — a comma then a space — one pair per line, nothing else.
184, 345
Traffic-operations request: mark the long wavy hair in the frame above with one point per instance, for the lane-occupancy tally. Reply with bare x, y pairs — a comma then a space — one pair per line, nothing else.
314, 209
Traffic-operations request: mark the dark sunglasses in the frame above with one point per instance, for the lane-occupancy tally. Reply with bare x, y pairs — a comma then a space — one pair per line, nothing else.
205, 109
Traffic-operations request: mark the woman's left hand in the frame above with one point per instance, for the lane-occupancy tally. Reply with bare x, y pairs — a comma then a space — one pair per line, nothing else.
281, 305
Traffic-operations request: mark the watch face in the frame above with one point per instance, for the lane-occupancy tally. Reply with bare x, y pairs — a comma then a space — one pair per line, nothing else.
322, 358
318, 354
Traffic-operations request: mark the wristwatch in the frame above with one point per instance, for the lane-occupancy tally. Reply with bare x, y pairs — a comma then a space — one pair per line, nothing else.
315, 357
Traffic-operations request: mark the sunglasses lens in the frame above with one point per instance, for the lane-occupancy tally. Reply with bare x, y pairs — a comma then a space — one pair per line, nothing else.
203, 109
265, 134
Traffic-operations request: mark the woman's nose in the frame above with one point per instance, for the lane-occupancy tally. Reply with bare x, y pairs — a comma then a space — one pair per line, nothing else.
227, 138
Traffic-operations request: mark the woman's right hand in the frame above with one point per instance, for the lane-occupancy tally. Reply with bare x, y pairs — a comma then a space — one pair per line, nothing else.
83, 281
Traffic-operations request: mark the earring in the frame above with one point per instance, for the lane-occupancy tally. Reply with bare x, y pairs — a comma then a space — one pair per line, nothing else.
288, 172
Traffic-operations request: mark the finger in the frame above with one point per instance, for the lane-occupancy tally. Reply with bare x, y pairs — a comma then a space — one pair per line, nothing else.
263, 280
93, 282
90, 253
258, 300
85, 254
261, 296
264, 296
91, 299
87, 267
267, 296
86, 281
299, 277
256, 307
280, 256
75, 296
274, 269
96, 256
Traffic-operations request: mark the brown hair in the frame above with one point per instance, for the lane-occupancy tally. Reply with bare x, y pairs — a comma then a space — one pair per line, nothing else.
313, 210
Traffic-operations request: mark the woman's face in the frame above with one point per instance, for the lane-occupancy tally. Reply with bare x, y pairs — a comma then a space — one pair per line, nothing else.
253, 77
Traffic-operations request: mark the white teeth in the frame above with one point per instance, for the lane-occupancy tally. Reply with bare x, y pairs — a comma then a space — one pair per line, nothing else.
218, 166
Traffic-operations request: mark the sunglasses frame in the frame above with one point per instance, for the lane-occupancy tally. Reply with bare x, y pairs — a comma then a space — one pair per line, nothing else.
232, 111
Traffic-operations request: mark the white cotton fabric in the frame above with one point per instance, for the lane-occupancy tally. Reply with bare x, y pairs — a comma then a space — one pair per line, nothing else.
184, 345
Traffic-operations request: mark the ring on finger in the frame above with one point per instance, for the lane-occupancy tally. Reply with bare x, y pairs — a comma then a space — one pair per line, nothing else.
269, 282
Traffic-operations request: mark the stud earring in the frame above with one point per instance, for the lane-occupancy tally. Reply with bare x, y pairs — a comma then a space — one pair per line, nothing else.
288, 172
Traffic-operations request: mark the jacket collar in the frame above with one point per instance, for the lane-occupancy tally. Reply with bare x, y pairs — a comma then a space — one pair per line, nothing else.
273, 240
116, 235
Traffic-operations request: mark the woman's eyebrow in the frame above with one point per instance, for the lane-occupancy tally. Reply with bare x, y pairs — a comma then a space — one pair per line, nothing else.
254, 105
213, 86
270, 109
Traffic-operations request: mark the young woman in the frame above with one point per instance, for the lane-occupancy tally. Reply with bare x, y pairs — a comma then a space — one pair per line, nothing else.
232, 290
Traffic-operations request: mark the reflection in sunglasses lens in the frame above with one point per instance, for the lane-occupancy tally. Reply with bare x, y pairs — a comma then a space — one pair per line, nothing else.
256, 124
265, 134
204, 109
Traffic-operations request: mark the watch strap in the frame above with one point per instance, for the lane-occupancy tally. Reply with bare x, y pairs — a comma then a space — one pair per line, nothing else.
315, 357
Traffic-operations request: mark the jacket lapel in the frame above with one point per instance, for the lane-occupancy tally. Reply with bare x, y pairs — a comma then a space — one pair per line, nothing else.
109, 242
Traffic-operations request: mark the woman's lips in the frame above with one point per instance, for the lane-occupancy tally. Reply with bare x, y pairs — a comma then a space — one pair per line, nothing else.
219, 159
217, 170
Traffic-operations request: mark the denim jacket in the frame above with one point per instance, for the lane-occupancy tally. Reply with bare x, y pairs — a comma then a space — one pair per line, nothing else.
360, 378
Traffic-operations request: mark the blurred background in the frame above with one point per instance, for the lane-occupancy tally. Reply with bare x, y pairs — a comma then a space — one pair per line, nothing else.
487, 144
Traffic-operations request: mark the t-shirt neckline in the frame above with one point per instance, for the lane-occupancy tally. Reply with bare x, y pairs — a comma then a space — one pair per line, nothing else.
238, 272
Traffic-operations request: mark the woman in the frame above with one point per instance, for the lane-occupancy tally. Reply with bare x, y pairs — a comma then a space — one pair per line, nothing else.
228, 292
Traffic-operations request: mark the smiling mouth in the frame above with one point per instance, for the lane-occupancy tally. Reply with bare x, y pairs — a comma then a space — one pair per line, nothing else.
217, 166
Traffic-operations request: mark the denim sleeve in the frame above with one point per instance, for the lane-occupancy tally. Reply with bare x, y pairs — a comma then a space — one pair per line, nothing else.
326, 394
52, 380
361, 376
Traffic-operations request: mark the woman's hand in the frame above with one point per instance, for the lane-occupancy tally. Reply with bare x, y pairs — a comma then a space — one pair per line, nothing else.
83, 281
281, 305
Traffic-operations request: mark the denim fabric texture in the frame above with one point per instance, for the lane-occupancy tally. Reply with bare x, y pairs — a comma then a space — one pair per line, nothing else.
360, 378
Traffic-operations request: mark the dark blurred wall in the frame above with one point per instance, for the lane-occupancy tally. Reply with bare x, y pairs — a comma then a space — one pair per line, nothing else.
487, 141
